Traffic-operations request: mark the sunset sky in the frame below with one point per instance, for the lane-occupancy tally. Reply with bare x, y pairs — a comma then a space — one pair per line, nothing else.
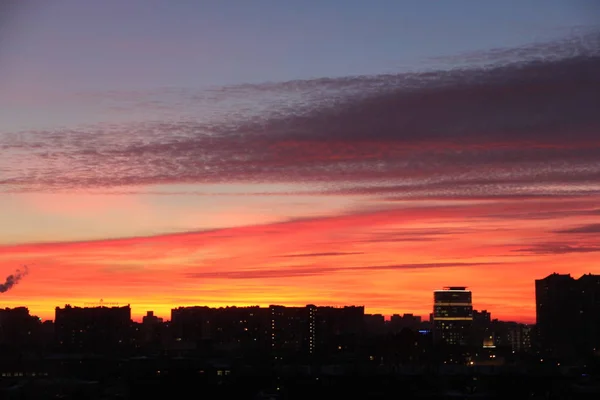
342, 152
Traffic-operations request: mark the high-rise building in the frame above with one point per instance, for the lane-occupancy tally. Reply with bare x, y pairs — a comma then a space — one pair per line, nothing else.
568, 314
588, 315
555, 313
452, 316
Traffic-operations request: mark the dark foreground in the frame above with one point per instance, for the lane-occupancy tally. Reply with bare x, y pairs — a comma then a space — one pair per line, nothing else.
181, 378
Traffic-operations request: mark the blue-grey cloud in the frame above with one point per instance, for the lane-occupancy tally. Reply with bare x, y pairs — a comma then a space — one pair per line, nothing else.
526, 127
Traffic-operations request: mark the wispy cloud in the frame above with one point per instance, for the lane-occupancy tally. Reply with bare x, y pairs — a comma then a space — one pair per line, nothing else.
312, 271
559, 248
327, 254
590, 228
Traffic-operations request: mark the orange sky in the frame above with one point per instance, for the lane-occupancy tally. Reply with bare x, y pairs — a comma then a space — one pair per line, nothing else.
389, 258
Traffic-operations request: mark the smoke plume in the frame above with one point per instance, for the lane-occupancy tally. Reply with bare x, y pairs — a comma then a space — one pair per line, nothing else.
13, 279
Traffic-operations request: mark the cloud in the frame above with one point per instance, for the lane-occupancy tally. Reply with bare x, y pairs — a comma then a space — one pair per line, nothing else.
558, 248
327, 254
288, 272
411, 235
590, 228
528, 126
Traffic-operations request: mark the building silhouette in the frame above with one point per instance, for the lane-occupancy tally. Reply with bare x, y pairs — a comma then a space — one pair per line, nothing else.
406, 321
18, 329
279, 331
151, 330
92, 329
452, 316
221, 330
568, 314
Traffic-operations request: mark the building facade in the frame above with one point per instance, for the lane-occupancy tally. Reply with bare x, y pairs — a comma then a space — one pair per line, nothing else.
452, 316
279, 331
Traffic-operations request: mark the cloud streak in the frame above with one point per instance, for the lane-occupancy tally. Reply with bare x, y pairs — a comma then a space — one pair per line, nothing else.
559, 248
329, 254
289, 272
585, 229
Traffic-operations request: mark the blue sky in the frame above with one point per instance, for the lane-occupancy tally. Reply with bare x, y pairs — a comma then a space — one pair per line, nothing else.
53, 50
150, 43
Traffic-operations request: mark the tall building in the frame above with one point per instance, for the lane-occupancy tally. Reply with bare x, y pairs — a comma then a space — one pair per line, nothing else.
555, 313
568, 314
452, 316
588, 316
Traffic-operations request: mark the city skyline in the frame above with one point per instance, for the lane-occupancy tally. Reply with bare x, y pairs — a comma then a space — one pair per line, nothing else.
137, 317
339, 153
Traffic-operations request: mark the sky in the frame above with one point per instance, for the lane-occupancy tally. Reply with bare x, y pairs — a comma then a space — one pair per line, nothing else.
162, 154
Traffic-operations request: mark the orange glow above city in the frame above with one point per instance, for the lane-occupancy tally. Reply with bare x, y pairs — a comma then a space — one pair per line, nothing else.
389, 259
